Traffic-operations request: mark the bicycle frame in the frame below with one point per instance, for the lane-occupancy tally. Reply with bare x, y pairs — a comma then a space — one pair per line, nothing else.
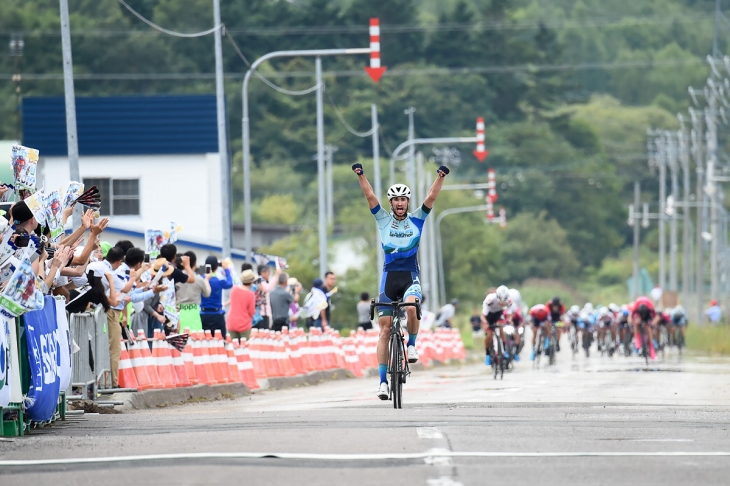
397, 364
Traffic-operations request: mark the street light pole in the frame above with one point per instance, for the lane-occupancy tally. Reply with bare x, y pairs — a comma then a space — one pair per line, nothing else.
247, 144
411, 167
697, 155
682, 136
662, 161
220, 94
320, 171
378, 184
70, 101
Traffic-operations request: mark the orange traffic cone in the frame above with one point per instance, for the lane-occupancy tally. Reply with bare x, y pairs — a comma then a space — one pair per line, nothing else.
256, 355
163, 361
245, 366
232, 361
188, 357
213, 357
201, 371
148, 360
126, 372
222, 356
178, 365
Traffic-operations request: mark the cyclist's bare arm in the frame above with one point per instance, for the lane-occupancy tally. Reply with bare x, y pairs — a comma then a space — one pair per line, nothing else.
367, 189
435, 187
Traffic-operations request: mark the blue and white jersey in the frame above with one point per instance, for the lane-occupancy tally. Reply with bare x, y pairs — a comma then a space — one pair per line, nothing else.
400, 239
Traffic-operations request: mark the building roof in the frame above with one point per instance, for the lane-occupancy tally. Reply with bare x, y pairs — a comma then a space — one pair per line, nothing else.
124, 125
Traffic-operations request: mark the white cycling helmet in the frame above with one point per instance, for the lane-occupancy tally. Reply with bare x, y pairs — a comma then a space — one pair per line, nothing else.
515, 296
399, 190
502, 294
575, 309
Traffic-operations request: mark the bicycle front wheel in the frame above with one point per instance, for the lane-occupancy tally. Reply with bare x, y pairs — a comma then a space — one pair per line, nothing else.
396, 371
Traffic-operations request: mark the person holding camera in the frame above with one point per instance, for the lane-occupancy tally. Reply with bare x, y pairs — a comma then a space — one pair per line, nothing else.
189, 296
212, 313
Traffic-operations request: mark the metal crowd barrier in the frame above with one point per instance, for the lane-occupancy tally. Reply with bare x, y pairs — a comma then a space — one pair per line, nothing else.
90, 364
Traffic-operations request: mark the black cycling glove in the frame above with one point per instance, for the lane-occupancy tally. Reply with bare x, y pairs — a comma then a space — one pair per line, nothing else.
443, 169
357, 168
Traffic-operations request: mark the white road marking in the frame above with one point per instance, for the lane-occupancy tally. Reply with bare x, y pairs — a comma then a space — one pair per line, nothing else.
438, 457
443, 481
429, 433
346, 457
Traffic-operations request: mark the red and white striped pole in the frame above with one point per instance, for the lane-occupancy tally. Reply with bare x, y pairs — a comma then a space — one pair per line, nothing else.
490, 210
492, 184
502, 218
481, 152
375, 70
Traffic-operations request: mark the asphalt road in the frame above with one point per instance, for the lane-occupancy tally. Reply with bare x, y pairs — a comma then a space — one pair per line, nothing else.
588, 421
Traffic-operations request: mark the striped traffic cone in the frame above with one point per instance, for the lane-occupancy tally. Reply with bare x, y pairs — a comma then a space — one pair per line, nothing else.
201, 371
126, 371
232, 361
188, 358
222, 356
148, 360
245, 366
213, 358
163, 361
255, 353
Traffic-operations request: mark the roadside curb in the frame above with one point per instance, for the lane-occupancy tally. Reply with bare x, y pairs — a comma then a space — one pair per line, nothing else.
313, 378
177, 396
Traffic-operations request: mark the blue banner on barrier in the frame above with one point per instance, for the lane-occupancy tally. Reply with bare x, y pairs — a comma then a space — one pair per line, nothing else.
44, 361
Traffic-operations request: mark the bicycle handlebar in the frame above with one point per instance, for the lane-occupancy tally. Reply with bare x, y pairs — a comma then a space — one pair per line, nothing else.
395, 305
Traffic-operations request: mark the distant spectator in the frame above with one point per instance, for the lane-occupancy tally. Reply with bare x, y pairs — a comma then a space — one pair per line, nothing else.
656, 295
713, 313
330, 286
264, 285
189, 296
212, 314
317, 294
476, 321
243, 306
280, 299
169, 252
363, 312
295, 289
446, 314
125, 245
246, 266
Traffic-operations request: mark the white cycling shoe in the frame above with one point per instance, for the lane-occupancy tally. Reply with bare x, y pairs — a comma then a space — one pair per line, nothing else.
412, 354
383, 392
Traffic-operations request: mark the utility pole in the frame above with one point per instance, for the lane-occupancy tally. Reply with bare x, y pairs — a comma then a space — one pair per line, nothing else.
70, 100
378, 187
635, 220
682, 137
411, 166
662, 161
671, 152
711, 189
698, 156
220, 102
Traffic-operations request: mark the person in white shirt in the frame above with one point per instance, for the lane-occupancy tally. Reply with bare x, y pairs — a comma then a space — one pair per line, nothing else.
446, 314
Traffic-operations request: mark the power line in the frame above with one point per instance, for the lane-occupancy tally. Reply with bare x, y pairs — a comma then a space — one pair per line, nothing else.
611, 21
266, 81
435, 71
169, 32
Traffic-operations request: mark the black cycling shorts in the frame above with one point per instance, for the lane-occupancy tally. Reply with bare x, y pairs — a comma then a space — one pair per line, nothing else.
398, 286
493, 318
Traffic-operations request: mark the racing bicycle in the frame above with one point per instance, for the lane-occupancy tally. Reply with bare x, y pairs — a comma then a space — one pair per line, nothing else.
397, 363
496, 351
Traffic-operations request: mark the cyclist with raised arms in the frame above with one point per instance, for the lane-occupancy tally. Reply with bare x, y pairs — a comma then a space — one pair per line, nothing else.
400, 234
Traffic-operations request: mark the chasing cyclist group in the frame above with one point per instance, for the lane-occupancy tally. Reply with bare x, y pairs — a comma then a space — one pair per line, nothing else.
634, 328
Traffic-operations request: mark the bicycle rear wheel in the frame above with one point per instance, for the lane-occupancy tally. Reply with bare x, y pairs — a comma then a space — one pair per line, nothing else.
538, 348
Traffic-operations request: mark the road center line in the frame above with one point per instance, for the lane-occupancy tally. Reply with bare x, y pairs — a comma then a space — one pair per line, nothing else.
345, 457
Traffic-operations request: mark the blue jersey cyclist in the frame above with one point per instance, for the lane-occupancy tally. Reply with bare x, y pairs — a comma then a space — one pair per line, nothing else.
400, 234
